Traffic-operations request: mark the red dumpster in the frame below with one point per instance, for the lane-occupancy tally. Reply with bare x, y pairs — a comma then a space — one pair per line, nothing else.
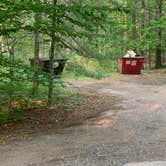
130, 65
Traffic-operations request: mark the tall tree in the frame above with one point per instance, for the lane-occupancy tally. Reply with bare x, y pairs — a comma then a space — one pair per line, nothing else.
158, 34
142, 23
134, 19
36, 54
51, 57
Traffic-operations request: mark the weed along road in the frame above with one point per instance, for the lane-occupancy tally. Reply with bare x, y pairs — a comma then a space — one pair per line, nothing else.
130, 131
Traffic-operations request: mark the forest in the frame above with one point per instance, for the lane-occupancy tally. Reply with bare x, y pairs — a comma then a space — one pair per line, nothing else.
87, 36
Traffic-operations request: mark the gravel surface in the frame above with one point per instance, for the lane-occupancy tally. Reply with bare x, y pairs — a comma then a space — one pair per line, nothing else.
134, 130
156, 163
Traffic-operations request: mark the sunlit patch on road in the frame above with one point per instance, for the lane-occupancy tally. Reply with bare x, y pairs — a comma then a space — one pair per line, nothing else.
100, 122
105, 119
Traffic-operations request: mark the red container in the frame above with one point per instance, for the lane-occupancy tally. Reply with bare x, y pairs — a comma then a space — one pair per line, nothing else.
130, 65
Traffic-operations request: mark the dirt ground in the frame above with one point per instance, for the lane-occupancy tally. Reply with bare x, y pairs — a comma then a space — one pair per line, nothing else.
119, 120
82, 105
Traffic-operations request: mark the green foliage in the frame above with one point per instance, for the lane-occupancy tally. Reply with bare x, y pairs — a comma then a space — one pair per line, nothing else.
4, 115
15, 89
86, 67
18, 115
98, 31
15, 79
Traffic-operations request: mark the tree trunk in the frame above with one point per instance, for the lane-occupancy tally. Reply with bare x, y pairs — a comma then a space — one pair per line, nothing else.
11, 74
51, 56
1, 44
158, 33
134, 20
149, 50
149, 59
142, 24
36, 56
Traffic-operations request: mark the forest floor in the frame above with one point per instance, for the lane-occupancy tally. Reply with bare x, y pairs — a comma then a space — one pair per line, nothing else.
117, 120
83, 104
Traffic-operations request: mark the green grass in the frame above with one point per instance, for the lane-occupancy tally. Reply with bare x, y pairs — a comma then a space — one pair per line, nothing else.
66, 75
163, 67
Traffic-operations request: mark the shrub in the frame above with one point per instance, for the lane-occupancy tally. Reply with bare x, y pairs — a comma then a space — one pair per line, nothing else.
4, 115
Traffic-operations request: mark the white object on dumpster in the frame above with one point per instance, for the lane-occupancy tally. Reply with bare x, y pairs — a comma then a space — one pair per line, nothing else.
129, 54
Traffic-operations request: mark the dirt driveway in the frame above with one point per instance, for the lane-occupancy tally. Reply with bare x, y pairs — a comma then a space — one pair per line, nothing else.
133, 130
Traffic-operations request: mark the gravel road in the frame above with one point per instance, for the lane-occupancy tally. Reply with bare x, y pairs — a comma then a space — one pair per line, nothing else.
134, 130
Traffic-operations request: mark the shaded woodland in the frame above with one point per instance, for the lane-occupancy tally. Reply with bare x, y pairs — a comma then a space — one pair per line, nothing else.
90, 34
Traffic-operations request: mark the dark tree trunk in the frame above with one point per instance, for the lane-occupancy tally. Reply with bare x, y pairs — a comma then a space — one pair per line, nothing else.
36, 55
11, 74
149, 58
149, 50
142, 23
1, 44
158, 33
134, 20
51, 56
